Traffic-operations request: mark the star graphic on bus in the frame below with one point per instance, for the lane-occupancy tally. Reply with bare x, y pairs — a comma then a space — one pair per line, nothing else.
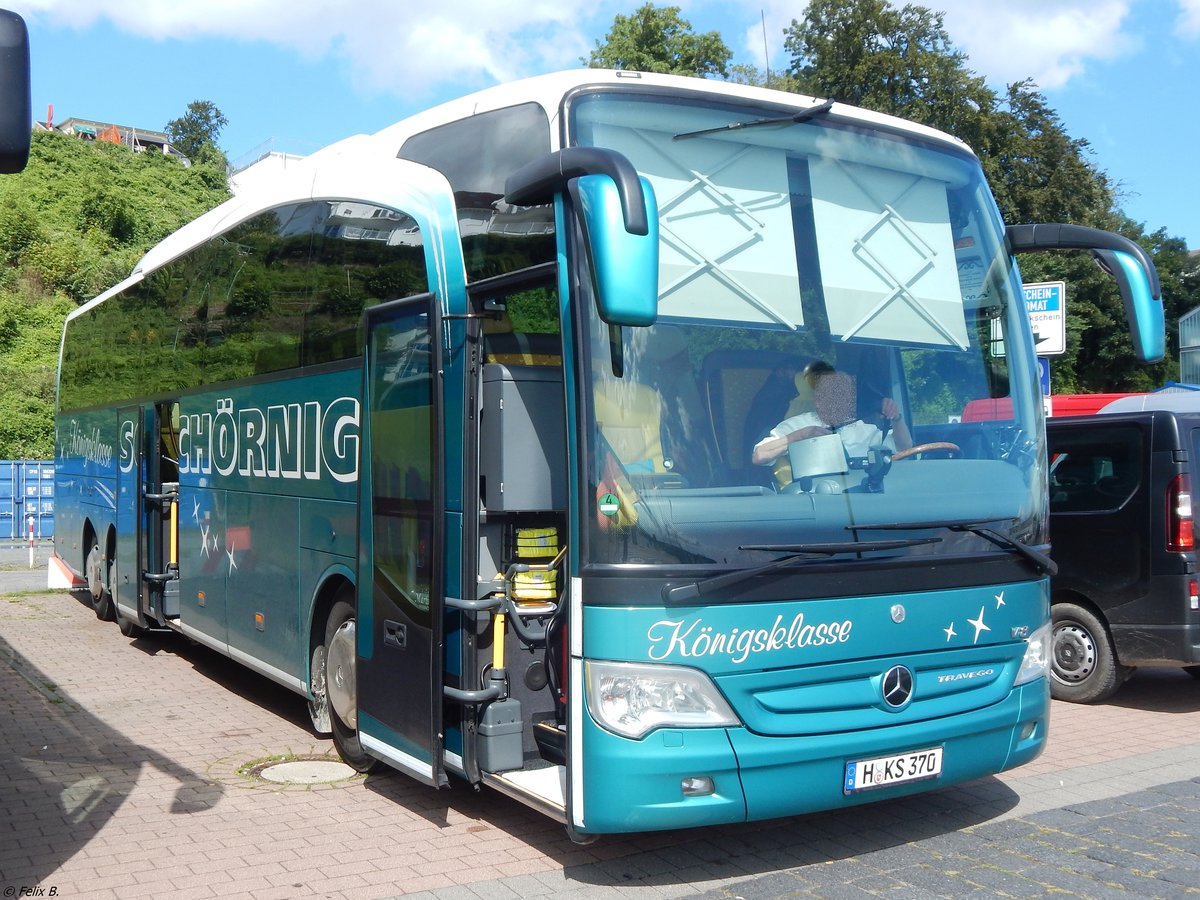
204, 551
229, 551
979, 626
195, 509
950, 632
999, 599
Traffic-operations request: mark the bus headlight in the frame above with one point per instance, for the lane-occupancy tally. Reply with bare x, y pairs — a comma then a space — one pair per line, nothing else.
631, 699
1036, 662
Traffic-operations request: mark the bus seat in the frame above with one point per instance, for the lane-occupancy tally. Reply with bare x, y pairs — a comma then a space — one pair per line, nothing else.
629, 416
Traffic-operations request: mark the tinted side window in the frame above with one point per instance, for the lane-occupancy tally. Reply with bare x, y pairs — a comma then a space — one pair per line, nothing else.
1094, 468
362, 255
282, 290
477, 155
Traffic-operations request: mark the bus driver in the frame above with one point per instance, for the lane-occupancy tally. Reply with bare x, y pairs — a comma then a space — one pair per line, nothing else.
834, 410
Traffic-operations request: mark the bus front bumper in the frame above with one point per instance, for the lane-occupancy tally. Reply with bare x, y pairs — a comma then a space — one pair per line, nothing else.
640, 785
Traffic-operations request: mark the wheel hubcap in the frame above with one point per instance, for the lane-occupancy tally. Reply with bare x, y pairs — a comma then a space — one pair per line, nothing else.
339, 675
95, 573
1074, 653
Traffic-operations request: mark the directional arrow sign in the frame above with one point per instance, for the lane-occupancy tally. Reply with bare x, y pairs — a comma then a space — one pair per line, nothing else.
1046, 302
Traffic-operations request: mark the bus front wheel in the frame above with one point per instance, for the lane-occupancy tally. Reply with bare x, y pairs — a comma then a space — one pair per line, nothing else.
318, 705
341, 688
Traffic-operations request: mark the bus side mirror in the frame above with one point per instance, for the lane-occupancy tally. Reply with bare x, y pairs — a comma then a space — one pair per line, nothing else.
618, 217
1143, 310
624, 266
16, 117
1128, 264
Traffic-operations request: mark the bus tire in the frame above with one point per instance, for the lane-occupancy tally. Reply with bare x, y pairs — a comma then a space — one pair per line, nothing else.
318, 703
98, 568
1083, 663
342, 688
128, 627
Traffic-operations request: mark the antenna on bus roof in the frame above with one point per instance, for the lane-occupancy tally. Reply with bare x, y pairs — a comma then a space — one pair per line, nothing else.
766, 50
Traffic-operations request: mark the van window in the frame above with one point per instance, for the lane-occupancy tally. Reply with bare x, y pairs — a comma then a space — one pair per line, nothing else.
1094, 469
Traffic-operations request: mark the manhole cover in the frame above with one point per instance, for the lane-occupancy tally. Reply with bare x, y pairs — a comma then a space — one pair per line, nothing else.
303, 771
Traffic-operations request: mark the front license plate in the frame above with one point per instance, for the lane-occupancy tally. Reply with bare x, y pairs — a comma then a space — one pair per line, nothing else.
883, 771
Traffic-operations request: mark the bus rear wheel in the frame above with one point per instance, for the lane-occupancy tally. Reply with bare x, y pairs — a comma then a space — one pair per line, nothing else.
341, 687
98, 570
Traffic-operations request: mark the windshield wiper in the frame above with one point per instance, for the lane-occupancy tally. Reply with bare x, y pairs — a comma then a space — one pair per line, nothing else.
793, 553
804, 114
1041, 562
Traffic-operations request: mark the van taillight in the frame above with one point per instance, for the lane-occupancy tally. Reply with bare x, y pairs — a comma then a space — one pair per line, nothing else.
1179, 514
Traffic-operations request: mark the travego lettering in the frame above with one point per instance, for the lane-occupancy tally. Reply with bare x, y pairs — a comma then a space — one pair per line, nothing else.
966, 676
289, 440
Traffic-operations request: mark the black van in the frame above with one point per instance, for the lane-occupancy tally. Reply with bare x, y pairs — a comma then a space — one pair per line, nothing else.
1121, 531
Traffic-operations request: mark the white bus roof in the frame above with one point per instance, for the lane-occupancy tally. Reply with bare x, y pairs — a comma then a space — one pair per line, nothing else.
546, 90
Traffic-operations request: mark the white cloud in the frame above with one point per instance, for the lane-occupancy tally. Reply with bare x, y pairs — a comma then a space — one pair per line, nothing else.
397, 47
1050, 41
1189, 19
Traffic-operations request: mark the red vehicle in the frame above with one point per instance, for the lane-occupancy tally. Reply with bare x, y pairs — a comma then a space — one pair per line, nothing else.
1082, 404
1000, 408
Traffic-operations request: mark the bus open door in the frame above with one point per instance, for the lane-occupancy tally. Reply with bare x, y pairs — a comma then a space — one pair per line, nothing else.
146, 573
393, 642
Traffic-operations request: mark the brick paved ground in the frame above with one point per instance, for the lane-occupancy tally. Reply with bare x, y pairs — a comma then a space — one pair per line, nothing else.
120, 776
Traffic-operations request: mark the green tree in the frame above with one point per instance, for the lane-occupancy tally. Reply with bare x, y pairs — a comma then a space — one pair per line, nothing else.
195, 133
893, 60
743, 73
659, 39
1038, 172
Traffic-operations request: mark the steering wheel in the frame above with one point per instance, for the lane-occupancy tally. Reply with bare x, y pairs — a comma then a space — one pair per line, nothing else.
926, 448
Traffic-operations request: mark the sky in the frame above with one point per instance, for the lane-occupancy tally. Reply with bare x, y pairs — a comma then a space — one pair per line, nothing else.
295, 75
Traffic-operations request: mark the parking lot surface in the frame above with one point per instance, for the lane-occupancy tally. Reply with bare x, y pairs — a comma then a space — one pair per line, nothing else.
128, 768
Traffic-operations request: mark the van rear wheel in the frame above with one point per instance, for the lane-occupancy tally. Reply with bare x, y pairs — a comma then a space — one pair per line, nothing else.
1083, 665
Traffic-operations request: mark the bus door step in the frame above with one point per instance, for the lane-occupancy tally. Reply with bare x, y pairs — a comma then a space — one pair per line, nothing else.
167, 583
551, 741
171, 599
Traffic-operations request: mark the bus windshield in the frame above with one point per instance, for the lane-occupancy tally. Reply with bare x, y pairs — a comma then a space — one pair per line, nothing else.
841, 344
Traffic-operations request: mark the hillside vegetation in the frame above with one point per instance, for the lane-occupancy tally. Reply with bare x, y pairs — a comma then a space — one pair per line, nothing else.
73, 224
